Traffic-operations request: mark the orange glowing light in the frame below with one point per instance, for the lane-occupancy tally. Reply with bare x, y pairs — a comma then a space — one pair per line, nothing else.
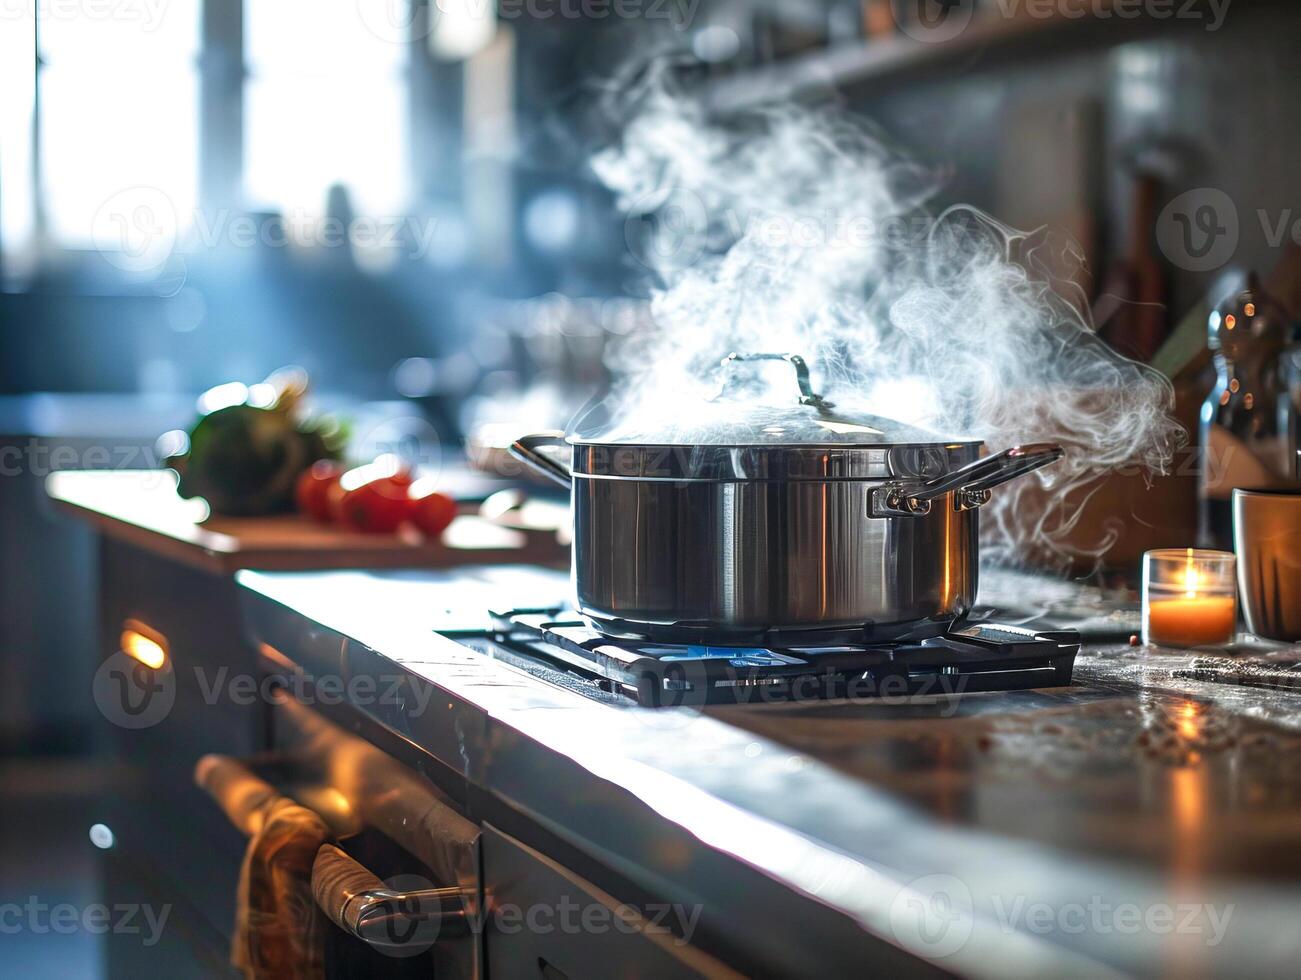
1191, 579
1230, 322
1187, 723
141, 643
1195, 618
1249, 309
1248, 400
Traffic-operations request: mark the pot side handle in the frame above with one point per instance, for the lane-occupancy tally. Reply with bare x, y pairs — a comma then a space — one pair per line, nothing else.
1011, 463
972, 482
546, 452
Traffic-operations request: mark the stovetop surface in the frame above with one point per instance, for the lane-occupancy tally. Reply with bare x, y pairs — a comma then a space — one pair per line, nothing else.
558, 645
1109, 787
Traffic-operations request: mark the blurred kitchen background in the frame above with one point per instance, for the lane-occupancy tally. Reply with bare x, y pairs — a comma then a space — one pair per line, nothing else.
393, 195
210, 140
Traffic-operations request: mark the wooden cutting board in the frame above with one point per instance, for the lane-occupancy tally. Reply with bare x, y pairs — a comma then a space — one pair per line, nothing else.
143, 508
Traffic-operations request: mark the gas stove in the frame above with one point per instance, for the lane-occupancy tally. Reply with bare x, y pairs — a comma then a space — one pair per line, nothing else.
559, 646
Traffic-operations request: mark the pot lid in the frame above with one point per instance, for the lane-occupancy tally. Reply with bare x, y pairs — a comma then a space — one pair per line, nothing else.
739, 416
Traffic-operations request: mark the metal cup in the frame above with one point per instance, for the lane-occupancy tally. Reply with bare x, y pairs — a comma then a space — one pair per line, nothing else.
1267, 539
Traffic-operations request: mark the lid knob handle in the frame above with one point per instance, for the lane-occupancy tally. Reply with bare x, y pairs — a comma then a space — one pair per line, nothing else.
807, 395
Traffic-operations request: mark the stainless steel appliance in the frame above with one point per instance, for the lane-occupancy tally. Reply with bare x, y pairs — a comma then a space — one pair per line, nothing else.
402, 882
773, 520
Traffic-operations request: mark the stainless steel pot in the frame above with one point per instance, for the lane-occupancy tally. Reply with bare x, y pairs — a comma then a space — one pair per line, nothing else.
842, 532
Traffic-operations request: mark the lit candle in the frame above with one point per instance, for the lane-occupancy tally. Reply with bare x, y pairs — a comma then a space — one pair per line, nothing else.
1189, 598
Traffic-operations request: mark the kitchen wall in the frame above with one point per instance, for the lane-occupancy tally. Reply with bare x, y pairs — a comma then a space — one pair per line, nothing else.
1201, 109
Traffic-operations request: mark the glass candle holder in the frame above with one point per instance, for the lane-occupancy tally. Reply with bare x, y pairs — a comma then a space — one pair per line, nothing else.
1190, 597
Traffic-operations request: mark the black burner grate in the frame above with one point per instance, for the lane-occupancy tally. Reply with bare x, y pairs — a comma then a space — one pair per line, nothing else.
977, 657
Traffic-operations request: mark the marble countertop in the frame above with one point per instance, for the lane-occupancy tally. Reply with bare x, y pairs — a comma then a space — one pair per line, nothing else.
1146, 819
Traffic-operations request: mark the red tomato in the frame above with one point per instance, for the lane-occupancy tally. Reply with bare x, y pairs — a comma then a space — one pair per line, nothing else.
333, 498
312, 492
379, 506
432, 513
373, 497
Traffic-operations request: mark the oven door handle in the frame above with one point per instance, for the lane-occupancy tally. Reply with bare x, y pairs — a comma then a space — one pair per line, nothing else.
241, 794
360, 904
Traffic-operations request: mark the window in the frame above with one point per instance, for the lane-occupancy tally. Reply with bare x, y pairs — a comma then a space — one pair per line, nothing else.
119, 102
326, 105
17, 187
100, 148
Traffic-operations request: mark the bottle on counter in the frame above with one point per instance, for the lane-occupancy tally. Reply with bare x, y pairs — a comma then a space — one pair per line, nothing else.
1247, 429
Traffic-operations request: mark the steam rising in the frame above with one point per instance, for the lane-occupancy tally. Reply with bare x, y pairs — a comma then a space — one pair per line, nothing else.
799, 230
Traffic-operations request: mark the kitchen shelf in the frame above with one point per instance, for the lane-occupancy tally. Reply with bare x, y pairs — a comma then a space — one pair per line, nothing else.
989, 41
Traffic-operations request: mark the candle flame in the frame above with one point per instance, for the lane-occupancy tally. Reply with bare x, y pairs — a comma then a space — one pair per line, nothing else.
1191, 579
